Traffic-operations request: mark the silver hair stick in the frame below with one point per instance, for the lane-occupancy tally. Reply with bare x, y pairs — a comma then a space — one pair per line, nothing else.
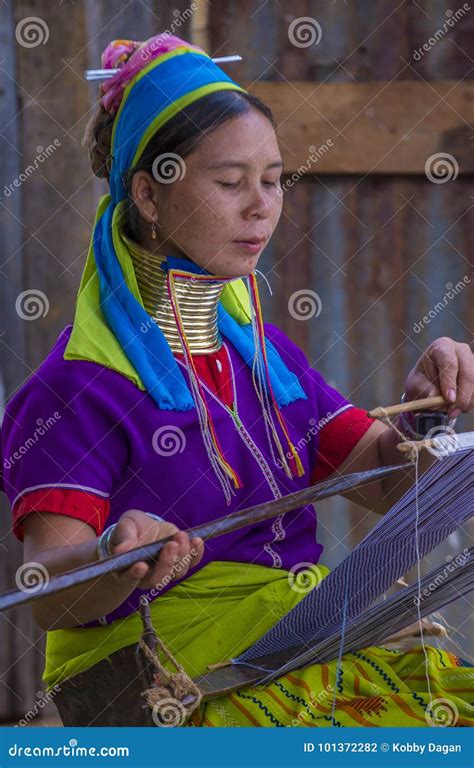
106, 74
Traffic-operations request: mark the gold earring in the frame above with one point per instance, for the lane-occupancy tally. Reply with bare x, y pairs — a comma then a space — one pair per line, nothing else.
153, 230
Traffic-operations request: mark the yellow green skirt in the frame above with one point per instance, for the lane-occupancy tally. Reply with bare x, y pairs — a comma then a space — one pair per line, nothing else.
223, 608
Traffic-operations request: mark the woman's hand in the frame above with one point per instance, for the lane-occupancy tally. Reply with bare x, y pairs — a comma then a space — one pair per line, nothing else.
176, 558
446, 368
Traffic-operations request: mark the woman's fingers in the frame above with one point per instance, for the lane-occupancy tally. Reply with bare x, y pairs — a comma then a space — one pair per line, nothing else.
135, 527
177, 556
172, 563
175, 560
465, 384
134, 574
446, 368
197, 545
124, 536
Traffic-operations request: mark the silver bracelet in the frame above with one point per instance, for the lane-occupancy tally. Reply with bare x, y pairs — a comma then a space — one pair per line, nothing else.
103, 543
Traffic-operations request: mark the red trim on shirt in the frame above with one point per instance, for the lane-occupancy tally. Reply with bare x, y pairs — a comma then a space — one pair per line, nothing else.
82, 505
337, 439
218, 381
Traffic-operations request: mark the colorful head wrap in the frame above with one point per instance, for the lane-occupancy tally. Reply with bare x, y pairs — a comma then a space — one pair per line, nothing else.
156, 80
118, 54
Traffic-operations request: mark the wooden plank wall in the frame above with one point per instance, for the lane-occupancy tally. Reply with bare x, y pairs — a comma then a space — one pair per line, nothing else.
378, 243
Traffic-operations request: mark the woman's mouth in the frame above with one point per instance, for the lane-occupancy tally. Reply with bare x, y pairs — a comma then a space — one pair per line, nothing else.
251, 246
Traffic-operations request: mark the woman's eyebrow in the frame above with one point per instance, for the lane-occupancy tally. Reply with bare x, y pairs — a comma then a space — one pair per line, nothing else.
240, 164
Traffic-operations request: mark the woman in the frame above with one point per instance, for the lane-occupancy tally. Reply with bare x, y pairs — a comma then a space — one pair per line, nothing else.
168, 402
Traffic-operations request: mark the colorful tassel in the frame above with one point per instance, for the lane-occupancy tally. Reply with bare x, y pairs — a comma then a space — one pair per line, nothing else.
211, 441
207, 426
261, 336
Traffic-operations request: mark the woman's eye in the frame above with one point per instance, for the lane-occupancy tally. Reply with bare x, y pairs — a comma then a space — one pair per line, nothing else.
229, 183
234, 184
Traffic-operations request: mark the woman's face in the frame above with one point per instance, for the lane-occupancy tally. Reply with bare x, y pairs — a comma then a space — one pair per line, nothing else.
229, 195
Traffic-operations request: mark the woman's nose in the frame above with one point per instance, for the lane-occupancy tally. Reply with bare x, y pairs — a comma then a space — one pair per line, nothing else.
259, 203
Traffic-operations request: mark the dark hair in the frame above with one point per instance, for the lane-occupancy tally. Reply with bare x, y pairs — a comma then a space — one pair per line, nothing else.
180, 135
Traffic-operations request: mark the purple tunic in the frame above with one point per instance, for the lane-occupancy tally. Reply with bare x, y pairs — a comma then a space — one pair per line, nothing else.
91, 444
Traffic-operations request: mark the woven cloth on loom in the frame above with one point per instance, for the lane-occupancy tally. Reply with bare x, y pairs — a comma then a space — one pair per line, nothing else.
445, 501
443, 585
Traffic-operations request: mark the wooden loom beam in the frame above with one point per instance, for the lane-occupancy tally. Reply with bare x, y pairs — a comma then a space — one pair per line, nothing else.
218, 527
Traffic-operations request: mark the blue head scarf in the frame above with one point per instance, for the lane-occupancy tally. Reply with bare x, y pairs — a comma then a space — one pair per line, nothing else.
160, 90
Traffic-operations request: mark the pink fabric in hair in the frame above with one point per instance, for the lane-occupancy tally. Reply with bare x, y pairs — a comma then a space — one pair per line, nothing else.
130, 56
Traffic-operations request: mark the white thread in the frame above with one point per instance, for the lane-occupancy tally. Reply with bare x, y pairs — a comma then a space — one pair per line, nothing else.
416, 456
266, 280
277, 526
420, 623
211, 450
261, 389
